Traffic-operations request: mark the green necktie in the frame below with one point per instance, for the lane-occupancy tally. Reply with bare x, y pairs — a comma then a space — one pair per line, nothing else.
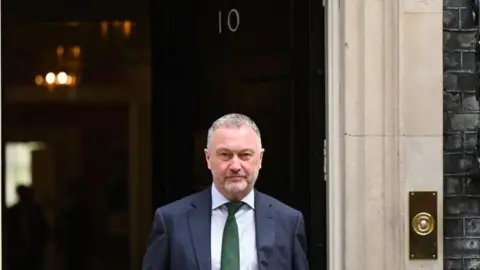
230, 244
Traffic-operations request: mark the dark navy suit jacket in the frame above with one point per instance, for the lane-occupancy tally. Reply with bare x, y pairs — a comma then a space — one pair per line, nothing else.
180, 237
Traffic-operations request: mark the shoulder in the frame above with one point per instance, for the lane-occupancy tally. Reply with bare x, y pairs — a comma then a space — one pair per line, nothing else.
181, 205
279, 206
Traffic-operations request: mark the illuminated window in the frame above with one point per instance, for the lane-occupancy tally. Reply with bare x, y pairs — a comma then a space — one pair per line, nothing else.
18, 168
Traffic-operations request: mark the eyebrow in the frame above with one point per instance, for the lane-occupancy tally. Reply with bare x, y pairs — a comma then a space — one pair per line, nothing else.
241, 151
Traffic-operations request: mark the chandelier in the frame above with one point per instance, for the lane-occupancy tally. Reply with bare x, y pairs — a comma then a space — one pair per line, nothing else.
52, 80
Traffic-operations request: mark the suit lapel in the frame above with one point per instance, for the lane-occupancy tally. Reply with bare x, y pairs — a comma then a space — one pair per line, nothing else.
265, 229
199, 221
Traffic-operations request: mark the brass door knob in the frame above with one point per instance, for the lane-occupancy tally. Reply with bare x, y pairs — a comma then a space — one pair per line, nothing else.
423, 223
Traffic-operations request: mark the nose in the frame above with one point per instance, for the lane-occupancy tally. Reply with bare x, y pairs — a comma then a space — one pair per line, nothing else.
235, 165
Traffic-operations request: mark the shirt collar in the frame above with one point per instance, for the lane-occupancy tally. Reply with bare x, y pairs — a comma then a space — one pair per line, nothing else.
218, 199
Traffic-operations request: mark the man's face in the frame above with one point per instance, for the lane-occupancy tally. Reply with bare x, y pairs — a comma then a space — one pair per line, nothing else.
234, 157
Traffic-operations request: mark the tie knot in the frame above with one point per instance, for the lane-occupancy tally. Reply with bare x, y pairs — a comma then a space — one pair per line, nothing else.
233, 207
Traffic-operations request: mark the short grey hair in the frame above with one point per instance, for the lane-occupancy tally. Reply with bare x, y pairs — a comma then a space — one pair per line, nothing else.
233, 120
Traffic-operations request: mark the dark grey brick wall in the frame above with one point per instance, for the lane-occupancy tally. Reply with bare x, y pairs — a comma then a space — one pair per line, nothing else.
461, 133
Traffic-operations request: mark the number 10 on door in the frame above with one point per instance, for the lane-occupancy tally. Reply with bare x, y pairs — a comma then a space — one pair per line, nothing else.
232, 21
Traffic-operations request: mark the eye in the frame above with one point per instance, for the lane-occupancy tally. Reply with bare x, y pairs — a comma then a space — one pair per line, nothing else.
245, 155
224, 155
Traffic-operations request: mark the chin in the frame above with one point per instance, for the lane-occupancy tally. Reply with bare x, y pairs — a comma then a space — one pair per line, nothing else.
236, 187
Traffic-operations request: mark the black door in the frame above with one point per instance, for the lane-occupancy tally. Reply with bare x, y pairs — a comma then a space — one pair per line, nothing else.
262, 58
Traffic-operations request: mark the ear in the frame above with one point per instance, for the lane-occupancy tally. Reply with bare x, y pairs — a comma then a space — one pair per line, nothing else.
262, 151
207, 157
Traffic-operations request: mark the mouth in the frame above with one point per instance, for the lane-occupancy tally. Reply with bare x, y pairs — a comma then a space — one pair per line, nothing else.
236, 178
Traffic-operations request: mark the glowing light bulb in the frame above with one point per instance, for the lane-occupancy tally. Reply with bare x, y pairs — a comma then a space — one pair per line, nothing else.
38, 79
76, 51
62, 78
127, 29
60, 51
50, 78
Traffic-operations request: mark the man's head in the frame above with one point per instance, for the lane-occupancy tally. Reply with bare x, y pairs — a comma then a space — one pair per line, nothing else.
234, 154
24, 193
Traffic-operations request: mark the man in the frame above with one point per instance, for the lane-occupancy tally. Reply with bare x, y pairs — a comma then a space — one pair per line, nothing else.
27, 232
229, 226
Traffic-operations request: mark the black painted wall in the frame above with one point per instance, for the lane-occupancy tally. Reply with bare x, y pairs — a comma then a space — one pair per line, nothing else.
461, 133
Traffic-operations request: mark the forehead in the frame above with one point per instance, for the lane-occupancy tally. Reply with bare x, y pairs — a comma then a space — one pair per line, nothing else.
234, 138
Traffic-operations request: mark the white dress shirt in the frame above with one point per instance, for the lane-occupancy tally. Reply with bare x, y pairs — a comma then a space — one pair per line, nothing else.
245, 218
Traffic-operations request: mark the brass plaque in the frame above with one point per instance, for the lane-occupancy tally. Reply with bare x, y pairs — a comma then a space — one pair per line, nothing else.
422, 225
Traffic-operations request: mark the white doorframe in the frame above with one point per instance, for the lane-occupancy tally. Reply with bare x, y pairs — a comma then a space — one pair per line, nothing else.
335, 210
